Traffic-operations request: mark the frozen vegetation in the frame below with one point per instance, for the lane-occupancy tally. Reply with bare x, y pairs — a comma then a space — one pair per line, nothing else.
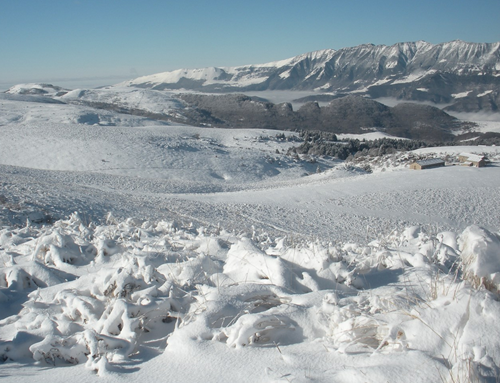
151, 297
147, 251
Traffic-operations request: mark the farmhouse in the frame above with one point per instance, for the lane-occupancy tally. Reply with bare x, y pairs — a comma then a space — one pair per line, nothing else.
427, 164
468, 159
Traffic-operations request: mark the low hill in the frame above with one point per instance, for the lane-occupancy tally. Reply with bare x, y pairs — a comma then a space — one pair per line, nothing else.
350, 114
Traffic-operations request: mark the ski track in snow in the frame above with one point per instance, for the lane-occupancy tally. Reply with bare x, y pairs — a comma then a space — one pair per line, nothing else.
310, 210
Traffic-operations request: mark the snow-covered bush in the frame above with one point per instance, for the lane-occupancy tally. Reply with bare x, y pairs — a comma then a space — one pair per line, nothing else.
480, 256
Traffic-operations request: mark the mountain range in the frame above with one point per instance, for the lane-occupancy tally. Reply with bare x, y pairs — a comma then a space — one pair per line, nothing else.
463, 76
341, 90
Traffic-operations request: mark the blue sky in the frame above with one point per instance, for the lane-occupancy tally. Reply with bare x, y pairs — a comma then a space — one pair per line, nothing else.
95, 42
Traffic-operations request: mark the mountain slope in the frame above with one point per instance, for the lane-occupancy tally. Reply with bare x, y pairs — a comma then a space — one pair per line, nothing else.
274, 75
350, 68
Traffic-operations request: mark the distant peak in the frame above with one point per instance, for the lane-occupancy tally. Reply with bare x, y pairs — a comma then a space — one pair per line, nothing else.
317, 54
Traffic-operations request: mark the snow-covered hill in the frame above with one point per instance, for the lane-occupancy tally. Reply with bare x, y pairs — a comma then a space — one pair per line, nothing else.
37, 89
128, 99
19, 109
202, 254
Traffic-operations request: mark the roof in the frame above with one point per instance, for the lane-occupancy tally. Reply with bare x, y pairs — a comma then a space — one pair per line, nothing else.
472, 157
430, 162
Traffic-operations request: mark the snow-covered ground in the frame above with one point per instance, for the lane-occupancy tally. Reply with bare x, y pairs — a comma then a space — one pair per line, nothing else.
366, 136
209, 255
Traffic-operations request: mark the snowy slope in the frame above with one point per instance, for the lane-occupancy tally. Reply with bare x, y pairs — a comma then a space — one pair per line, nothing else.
209, 255
36, 89
40, 109
239, 77
127, 98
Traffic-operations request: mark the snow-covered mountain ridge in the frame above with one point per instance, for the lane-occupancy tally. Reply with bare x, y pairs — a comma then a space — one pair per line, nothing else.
456, 76
330, 69
246, 76
456, 72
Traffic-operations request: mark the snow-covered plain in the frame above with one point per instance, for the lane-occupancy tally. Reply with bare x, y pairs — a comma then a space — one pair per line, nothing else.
200, 255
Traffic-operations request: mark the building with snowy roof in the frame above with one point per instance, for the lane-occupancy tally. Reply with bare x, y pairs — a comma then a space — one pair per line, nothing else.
427, 164
468, 159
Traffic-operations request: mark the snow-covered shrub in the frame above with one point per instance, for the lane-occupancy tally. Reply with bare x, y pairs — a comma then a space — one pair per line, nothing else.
255, 329
480, 257
16, 278
352, 325
247, 263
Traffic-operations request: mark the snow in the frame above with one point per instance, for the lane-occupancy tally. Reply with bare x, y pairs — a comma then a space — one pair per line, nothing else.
144, 99
19, 88
456, 150
202, 74
147, 251
208, 76
285, 74
323, 87
481, 256
412, 77
241, 76
380, 82
461, 95
472, 157
34, 88
391, 64
360, 90
485, 93
218, 305
33, 109
366, 136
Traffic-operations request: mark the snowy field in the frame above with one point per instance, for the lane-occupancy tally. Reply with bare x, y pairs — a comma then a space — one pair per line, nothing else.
209, 255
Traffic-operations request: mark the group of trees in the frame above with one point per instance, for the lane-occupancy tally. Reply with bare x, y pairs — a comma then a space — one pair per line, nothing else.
326, 144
